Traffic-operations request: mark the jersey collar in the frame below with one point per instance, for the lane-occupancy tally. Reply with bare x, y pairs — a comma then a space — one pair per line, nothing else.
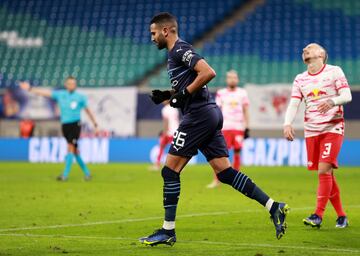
321, 70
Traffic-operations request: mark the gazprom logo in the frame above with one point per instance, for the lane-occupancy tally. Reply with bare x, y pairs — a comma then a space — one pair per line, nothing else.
53, 150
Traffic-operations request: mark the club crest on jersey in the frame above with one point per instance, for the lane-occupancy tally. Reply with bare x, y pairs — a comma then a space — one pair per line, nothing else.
316, 94
73, 104
234, 103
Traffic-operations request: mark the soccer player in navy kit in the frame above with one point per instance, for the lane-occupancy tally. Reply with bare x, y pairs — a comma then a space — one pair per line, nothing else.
200, 129
71, 103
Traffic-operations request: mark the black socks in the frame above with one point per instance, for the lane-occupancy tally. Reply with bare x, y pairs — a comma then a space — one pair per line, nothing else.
243, 184
171, 192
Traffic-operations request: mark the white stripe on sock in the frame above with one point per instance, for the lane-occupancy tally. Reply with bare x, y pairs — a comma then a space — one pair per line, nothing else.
169, 225
269, 203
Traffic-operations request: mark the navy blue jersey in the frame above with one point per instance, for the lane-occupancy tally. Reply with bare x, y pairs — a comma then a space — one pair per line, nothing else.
181, 62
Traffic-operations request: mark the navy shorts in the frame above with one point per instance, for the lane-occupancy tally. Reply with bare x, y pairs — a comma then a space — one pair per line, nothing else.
200, 130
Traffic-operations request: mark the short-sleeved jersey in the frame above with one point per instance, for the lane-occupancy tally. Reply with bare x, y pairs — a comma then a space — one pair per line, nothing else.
316, 88
231, 103
70, 104
172, 115
181, 62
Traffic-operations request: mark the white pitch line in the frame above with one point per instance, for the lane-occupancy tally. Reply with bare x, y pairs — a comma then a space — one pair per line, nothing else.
249, 245
66, 236
246, 245
147, 219
110, 222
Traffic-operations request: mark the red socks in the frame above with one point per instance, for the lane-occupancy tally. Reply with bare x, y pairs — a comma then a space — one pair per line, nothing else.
328, 189
161, 151
335, 198
236, 163
324, 192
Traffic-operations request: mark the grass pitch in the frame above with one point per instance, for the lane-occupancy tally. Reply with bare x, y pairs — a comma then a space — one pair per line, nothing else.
40, 216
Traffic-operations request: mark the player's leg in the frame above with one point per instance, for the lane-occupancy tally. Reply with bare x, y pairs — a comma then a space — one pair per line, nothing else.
342, 220
238, 141
183, 147
215, 182
327, 147
187, 140
324, 188
69, 158
236, 160
164, 140
83, 166
229, 140
215, 151
159, 156
313, 154
171, 192
336, 143
242, 183
76, 130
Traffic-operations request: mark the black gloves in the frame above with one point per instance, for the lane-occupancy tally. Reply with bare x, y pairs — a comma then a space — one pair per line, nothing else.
178, 100
158, 96
246, 133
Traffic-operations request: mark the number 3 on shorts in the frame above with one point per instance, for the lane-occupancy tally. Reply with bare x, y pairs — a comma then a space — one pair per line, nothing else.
326, 152
179, 139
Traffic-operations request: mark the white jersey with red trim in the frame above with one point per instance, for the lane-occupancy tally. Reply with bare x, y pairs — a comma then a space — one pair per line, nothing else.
172, 115
231, 103
316, 88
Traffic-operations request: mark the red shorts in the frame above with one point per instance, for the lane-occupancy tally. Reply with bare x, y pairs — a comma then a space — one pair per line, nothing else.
234, 138
323, 148
165, 139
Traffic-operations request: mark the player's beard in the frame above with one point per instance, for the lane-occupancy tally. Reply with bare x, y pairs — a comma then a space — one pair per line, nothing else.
161, 44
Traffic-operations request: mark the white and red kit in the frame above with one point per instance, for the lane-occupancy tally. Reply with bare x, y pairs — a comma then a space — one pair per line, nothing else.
323, 132
231, 103
172, 116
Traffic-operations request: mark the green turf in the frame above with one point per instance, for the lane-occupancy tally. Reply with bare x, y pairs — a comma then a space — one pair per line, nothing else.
124, 202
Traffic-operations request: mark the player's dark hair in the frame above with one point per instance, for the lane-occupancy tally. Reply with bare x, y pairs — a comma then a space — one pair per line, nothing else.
164, 18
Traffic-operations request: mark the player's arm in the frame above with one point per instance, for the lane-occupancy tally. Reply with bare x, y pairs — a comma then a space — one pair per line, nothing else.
205, 74
344, 93
343, 98
289, 132
247, 120
38, 91
246, 115
92, 118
